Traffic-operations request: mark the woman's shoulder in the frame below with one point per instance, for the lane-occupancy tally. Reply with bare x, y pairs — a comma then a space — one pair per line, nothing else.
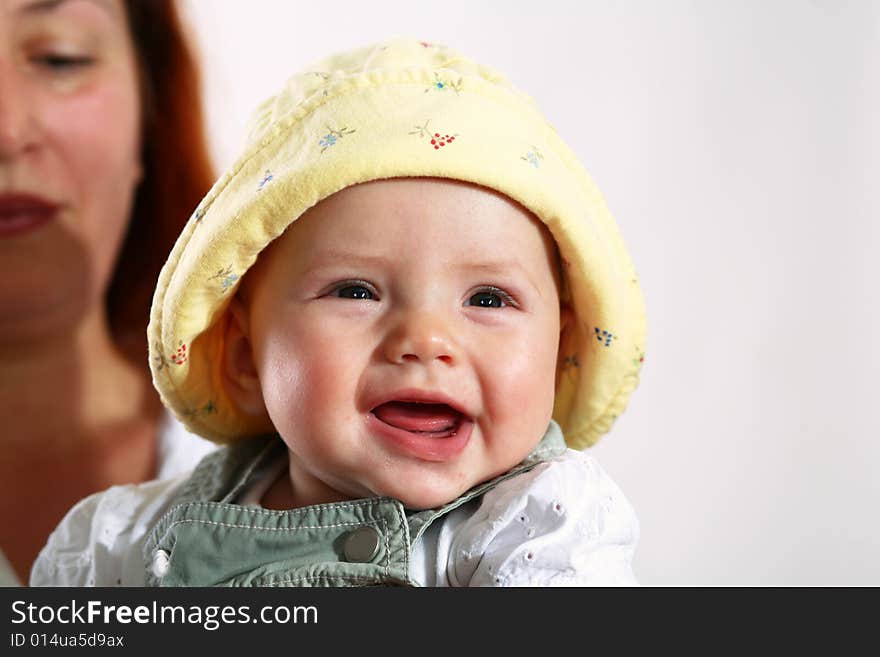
7, 574
179, 450
99, 542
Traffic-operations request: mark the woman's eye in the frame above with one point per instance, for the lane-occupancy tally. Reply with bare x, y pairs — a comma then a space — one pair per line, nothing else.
487, 300
353, 292
61, 63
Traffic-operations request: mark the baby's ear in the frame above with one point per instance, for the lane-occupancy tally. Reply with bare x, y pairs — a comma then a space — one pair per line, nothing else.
566, 321
240, 376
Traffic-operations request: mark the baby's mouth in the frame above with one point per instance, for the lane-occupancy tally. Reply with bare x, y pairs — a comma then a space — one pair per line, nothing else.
432, 420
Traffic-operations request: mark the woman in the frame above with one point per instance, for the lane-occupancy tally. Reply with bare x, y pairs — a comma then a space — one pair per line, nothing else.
102, 159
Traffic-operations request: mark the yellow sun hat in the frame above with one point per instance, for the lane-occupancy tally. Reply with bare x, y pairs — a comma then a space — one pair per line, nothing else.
399, 109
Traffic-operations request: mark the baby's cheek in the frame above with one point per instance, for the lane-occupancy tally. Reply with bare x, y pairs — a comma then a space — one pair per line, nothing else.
282, 380
297, 384
531, 399
521, 388
533, 369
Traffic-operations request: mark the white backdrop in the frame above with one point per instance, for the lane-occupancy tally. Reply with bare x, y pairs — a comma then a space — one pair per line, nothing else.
738, 146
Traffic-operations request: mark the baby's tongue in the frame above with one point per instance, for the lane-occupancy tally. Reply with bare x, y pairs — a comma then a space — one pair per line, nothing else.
411, 416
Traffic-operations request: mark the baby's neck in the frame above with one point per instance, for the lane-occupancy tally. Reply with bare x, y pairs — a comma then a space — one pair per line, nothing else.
282, 494
279, 496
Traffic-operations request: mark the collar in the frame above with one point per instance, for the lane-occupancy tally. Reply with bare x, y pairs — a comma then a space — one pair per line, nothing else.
205, 539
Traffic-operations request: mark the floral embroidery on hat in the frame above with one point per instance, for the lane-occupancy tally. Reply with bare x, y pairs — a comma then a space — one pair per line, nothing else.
267, 177
571, 367
333, 136
639, 357
162, 361
437, 140
226, 277
604, 336
208, 409
179, 357
325, 77
533, 157
442, 84
159, 357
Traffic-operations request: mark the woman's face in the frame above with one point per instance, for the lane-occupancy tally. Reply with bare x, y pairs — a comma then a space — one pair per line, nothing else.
69, 157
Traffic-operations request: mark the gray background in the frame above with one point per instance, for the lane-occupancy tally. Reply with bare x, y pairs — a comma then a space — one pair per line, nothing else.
737, 144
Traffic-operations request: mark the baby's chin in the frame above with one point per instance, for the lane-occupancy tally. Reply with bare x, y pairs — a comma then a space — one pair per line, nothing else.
430, 490
423, 496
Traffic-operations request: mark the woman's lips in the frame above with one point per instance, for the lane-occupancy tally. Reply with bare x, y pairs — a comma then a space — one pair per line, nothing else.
430, 432
21, 213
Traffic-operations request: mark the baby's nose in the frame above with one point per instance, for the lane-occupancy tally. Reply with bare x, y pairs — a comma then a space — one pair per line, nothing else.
421, 338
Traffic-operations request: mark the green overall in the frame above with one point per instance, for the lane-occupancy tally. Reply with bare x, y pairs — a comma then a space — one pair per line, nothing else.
207, 540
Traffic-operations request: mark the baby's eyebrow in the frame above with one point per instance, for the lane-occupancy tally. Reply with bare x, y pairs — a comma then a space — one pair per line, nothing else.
500, 268
325, 259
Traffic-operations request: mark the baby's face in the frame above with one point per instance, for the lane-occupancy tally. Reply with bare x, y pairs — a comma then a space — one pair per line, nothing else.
405, 336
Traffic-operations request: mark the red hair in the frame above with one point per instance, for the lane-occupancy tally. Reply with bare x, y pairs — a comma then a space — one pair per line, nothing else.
176, 165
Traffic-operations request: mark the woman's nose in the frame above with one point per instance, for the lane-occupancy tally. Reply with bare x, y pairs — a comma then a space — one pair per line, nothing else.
15, 114
420, 338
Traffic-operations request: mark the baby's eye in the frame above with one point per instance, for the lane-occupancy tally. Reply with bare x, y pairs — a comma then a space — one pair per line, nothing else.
491, 298
353, 292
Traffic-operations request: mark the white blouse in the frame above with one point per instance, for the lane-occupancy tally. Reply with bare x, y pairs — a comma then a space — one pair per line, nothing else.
564, 523
179, 450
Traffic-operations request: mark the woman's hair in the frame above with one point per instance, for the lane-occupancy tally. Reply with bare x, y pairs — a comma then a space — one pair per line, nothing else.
177, 171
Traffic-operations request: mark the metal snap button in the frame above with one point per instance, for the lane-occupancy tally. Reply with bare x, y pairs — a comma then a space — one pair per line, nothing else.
362, 545
161, 563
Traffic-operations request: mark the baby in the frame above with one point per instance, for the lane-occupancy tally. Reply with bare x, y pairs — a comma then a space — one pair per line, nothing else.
398, 306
